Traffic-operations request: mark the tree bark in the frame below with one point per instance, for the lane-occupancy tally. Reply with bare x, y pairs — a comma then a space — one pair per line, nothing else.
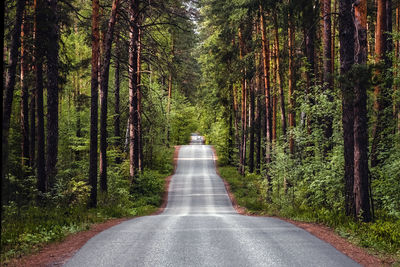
10, 83
104, 95
139, 101
242, 166
117, 120
52, 93
94, 104
279, 78
133, 97
252, 130
328, 74
346, 38
24, 95
267, 86
292, 82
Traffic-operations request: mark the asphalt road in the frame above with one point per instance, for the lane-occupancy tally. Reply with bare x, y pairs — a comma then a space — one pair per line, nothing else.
199, 227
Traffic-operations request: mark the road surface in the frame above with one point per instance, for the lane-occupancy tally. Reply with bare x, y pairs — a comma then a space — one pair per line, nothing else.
199, 227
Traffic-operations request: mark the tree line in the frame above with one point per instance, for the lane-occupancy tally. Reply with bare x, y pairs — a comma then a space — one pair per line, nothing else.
309, 98
54, 127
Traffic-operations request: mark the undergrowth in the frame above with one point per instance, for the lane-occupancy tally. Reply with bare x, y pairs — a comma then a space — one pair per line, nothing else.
27, 228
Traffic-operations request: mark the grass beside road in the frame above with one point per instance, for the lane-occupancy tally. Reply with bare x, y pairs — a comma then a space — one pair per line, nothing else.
381, 238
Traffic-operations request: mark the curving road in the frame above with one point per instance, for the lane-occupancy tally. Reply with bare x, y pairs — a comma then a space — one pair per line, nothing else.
199, 227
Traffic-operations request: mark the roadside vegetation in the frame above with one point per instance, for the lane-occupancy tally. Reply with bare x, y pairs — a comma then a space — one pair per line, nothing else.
28, 227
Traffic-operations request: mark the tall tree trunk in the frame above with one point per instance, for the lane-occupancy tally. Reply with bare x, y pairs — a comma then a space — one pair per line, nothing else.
133, 103
292, 82
104, 95
309, 28
24, 95
94, 104
40, 20
361, 186
258, 108
139, 102
32, 127
235, 116
242, 166
274, 93
52, 93
267, 86
117, 120
384, 121
328, 74
10, 84
333, 42
251, 125
279, 77
346, 38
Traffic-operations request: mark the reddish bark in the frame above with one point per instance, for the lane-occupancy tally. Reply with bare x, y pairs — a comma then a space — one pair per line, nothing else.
279, 77
361, 181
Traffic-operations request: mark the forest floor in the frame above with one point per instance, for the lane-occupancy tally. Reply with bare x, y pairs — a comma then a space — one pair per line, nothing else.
56, 254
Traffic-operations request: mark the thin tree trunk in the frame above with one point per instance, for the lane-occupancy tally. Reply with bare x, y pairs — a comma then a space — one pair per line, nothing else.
94, 104
242, 166
10, 83
267, 87
52, 93
361, 181
117, 120
104, 95
32, 130
258, 108
346, 38
279, 78
235, 113
133, 63
24, 95
252, 130
328, 74
39, 53
274, 94
292, 82
333, 44
139, 102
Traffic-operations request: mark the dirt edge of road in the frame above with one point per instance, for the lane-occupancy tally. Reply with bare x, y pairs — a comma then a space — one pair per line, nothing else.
58, 253
324, 233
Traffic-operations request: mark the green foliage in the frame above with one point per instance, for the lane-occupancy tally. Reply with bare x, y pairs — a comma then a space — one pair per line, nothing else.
183, 121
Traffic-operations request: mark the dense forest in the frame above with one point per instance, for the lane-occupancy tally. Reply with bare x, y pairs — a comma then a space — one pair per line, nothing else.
301, 99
